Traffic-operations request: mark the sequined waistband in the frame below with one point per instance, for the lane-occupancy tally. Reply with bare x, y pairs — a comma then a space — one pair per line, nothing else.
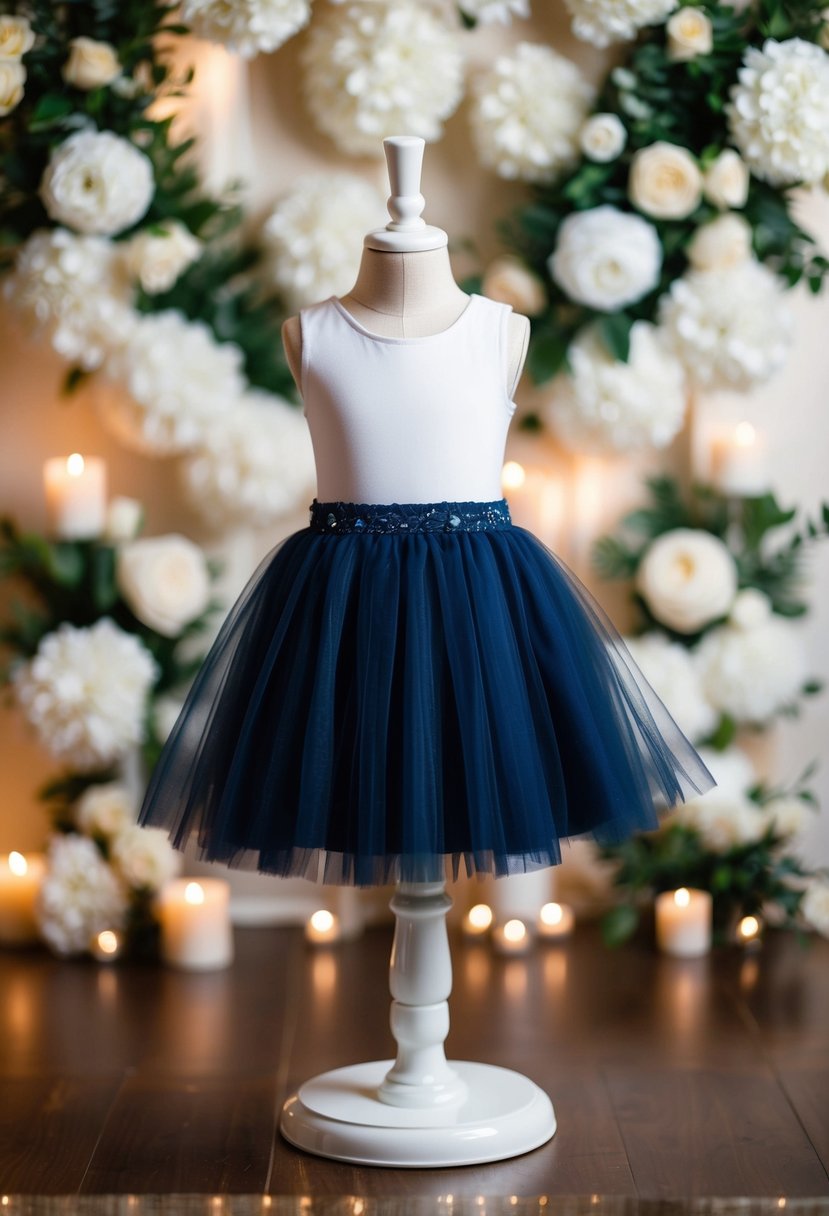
410, 516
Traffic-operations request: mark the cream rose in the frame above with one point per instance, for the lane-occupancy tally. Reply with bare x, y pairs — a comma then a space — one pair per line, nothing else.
687, 578
16, 37
104, 810
689, 34
97, 183
510, 282
164, 580
726, 241
665, 181
158, 256
725, 183
12, 80
815, 906
603, 137
606, 258
91, 64
144, 858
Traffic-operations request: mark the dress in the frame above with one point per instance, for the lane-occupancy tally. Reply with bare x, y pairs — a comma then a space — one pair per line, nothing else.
412, 681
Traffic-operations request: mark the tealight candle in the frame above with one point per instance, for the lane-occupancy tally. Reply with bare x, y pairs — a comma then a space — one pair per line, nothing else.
555, 921
75, 488
20, 881
750, 932
107, 946
478, 921
195, 924
511, 938
683, 922
323, 928
740, 462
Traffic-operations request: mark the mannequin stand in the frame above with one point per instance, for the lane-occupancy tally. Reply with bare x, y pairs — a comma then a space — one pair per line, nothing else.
419, 1110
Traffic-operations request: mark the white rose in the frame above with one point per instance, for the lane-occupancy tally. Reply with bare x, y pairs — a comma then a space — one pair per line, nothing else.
157, 256
606, 258
12, 80
124, 519
16, 37
603, 137
723, 820
815, 906
750, 609
509, 281
665, 181
689, 34
724, 242
91, 64
725, 183
104, 810
144, 858
166, 712
164, 580
687, 578
788, 815
97, 182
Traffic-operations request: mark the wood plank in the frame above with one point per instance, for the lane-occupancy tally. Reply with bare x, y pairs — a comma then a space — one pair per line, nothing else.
48, 1130
690, 1133
808, 1092
173, 1134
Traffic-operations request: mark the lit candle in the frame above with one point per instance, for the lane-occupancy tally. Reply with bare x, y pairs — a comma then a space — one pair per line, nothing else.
750, 932
511, 938
555, 921
740, 462
20, 881
75, 488
195, 924
323, 928
683, 922
477, 921
107, 946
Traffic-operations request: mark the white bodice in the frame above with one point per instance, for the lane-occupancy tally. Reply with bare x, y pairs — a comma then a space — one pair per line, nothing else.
407, 419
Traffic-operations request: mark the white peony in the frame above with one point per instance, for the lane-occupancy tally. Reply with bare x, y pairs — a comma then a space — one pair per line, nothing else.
177, 379
80, 896
605, 21
12, 81
723, 819
689, 34
144, 858
605, 258
670, 670
246, 26
603, 137
785, 814
164, 580
750, 609
665, 181
494, 10
157, 256
752, 673
69, 290
726, 180
687, 578
85, 692
509, 281
124, 519
16, 37
377, 67
97, 182
528, 110
91, 64
104, 810
255, 465
603, 404
779, 111
315, 234
724, 242
730, 327
815, 906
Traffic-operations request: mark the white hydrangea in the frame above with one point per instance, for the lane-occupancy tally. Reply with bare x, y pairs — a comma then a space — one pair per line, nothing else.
815, 906
731, 769
104, 810
80, 896
254, 466
246, 26
528, 112
688, 578
315, 233
605, 21
144, 858
731, 327
177, 381
375, 67
671, 672
166, 712
605, 405
157, 256
606, 258
68, 290
723, 819
97, 183
85, 692
752, 673
779, 111
487, 11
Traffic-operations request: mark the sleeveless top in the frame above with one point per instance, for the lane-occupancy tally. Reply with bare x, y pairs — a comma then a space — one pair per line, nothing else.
403, 420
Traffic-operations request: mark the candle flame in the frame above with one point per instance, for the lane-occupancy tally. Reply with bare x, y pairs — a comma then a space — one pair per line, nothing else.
515, 931
551, 914
682, 897
107, 942
322, 920
749, 926
194, 893
75, 464
744, 434
513, 475
480, 917
18, 864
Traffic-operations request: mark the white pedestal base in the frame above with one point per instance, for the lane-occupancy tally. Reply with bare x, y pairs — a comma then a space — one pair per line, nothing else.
339, 1115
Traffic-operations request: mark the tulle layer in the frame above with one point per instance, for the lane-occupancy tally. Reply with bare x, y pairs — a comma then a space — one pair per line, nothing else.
376, 706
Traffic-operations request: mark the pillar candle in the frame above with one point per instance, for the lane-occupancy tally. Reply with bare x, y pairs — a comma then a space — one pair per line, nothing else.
740, 462
20, 882
195, 924
75, 488
683, 922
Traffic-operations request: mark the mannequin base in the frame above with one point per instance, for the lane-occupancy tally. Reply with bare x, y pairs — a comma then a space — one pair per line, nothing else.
338, 1115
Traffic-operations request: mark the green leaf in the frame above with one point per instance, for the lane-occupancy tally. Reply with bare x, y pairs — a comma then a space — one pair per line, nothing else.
548, 351
619, 924
615, 330
66, 564
612, 559
724, 735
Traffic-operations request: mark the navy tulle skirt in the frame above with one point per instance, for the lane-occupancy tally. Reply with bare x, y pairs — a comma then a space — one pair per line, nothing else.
401, 685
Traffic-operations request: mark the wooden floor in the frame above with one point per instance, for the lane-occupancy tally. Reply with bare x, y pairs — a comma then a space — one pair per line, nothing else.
670, 1078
